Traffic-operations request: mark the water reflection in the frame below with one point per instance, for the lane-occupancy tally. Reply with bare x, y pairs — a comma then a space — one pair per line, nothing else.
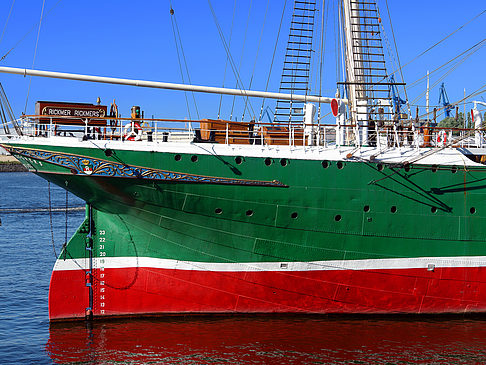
270, 340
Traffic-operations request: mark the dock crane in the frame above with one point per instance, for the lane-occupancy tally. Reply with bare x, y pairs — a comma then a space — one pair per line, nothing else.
444, 99
395, 96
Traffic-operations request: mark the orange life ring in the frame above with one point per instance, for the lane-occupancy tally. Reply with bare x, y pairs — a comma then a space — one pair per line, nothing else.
132, 132
442, 137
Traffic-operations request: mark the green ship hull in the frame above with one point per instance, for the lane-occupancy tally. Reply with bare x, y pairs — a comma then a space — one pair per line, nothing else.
255, 230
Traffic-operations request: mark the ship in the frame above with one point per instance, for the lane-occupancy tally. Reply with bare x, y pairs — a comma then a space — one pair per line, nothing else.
377, 213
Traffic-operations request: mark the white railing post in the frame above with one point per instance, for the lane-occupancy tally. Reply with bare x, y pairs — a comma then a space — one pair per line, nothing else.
338, 134
395, 132
290, 134
356, 135
377, 132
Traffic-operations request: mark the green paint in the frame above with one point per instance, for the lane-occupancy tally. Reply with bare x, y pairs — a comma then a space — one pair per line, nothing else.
320, 216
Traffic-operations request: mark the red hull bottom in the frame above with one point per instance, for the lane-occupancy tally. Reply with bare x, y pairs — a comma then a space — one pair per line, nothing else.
143, 291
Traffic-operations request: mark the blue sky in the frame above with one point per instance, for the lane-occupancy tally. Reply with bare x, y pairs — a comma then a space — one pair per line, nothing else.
135, 40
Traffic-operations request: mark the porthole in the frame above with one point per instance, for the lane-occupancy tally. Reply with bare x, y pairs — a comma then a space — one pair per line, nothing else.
249, 212
433, 210
340, 165
393, 209
434, 168
283, 162
337, 218
177, 157
238, 160
194, 158
294, 215
454, 170
379, 167
218, 211
366, 208
268, 161
472, 210
325, 164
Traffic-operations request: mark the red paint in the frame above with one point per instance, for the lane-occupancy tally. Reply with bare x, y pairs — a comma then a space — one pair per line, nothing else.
151, 291
68, 294
334, 107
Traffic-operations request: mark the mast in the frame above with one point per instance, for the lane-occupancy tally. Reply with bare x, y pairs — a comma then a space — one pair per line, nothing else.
353, 62
367, 81
427, 97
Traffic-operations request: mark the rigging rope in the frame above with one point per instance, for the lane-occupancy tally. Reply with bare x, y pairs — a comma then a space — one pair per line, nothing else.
479, 45
439, 42
256, 58
398, 57
440, 79
28, 32
179, 59
185, 62
466, 56
456, 103
239, 83
35, 54
242, 53
227, 57
273, 57
6, 22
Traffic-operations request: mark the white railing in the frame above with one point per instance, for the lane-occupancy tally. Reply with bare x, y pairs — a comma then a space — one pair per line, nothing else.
225, 132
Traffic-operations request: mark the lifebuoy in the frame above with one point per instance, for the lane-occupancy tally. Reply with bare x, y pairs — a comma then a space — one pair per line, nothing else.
442, 137
426, 137
132, 132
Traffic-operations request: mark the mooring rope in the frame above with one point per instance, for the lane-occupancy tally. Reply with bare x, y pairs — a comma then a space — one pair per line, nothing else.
50, 218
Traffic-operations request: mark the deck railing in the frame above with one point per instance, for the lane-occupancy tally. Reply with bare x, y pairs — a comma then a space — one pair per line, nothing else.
382, 135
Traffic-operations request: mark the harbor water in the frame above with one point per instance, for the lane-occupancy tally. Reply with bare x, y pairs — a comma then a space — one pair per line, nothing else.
31, 233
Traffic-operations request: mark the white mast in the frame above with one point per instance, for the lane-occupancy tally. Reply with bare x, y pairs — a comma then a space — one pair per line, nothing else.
464, 105
427, 97
350, 66
354, 69
166, 85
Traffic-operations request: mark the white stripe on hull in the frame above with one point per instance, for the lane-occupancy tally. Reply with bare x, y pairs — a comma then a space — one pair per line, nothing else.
448, 156
367, 264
